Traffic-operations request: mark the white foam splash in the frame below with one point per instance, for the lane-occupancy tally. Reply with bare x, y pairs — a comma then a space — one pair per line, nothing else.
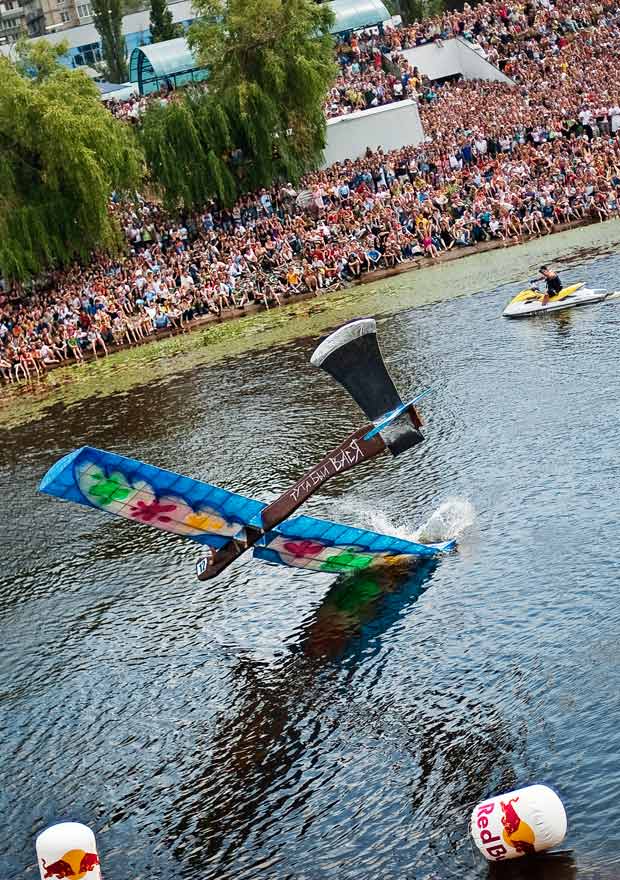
450, 520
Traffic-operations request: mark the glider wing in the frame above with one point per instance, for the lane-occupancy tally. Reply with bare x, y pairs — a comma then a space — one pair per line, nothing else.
321, 545
215, 517
146, 494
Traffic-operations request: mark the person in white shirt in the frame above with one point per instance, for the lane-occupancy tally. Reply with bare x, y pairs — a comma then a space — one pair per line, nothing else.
47, 355
186, 281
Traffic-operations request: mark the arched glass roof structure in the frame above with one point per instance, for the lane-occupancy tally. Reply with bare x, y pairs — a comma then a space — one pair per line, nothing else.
168, 64
351, 15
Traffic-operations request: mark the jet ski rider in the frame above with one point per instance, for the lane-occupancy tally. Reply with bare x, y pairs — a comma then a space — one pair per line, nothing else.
554, 285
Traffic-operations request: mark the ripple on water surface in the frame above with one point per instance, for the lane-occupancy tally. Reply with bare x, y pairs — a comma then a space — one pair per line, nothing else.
280, 724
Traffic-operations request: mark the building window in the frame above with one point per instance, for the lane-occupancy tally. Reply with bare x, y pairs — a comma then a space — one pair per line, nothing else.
84, 10
65, 16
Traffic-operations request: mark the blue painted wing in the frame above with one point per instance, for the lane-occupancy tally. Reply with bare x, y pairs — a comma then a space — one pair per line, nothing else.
140, 492
209, 515
321, 545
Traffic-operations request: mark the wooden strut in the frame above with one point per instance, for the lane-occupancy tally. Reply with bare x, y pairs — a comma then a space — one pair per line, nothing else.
351, 452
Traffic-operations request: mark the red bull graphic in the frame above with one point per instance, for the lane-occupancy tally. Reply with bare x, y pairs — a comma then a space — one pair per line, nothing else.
59, 868
517, 833
75, 864
518, 823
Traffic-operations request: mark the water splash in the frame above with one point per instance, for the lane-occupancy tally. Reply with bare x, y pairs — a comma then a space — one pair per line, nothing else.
450, 520
453, 517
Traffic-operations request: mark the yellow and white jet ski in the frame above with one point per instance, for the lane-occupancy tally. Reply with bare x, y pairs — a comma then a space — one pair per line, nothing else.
530, 302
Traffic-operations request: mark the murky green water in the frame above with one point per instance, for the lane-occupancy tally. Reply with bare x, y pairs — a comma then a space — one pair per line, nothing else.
276, 724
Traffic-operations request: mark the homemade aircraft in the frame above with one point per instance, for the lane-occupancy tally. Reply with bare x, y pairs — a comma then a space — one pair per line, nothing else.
227, 523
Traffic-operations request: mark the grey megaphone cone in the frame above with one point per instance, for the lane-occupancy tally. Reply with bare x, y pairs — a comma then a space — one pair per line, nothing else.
351, 355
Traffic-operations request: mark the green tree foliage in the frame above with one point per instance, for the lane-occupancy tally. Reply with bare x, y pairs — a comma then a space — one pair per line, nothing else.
108, 20
188, 146
271, 63
61, 155
418, 10
38, 58
162, 27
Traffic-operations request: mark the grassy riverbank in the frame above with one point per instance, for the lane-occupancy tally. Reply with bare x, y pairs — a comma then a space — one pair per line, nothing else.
455, 274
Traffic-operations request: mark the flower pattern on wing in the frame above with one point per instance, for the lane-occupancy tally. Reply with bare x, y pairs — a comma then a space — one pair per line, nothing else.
303, 549
107, 489
206, 522
152, 512
347, 561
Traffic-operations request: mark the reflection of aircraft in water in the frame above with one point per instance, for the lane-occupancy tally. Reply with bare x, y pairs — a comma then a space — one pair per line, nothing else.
543, 866
272, 755
357, 610
279, 710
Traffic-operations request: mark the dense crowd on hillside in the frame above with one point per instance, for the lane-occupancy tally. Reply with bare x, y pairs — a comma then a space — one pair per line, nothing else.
500, 162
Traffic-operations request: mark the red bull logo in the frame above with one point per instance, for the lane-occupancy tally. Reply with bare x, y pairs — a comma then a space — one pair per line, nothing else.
518, 823
75, 864
516, 833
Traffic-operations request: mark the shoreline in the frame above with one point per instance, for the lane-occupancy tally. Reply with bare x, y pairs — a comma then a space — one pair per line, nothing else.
170, 343
368, 278
460, 253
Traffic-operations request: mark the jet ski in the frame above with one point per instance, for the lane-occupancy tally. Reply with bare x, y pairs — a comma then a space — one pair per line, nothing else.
529, 302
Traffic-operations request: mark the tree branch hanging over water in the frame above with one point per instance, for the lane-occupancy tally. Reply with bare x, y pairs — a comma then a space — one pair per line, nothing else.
61, 155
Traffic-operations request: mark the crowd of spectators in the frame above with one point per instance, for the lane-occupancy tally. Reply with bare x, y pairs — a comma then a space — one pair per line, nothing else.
500, 162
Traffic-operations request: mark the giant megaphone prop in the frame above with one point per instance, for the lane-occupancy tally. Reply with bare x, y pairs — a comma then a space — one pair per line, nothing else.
352, 356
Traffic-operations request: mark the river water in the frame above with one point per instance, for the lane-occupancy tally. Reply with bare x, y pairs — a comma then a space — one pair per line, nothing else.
280, 724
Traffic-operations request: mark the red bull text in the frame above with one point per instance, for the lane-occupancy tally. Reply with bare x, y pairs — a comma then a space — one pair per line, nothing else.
496, 851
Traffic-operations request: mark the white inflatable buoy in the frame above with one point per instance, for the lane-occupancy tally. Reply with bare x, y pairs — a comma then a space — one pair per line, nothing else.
518, 823
68, 850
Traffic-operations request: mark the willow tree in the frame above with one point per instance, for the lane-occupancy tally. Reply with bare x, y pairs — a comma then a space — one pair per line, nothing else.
270, 64
61, 155
187, 146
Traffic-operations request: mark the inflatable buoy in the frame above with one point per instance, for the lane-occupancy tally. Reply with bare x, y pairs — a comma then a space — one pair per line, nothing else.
68, 850
518, 823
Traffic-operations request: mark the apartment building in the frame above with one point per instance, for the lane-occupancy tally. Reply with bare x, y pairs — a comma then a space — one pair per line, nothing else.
12, 20
51, 16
